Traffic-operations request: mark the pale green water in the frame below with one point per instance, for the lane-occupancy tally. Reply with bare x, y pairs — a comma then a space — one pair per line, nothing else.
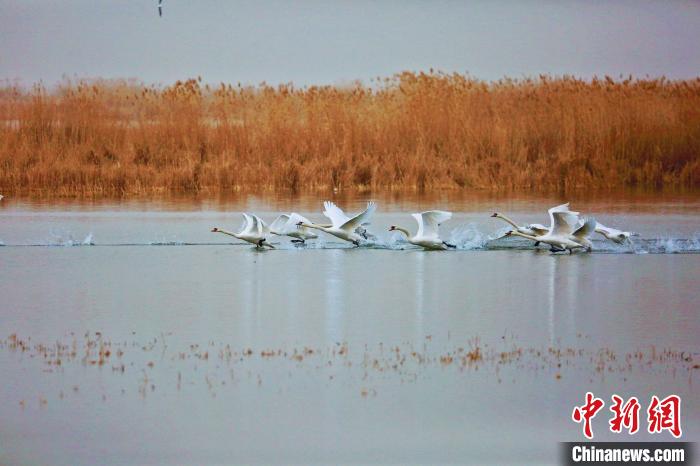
369, 354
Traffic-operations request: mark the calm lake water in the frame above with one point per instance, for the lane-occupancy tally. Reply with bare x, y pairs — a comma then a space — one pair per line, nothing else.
130, 334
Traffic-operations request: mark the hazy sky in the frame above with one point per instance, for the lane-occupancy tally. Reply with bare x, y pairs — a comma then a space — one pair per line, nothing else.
337, 41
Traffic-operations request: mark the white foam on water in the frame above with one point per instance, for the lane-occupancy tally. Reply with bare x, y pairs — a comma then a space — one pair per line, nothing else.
469, 237
397, 241
670, 245
66, 239
165, 241
88, 241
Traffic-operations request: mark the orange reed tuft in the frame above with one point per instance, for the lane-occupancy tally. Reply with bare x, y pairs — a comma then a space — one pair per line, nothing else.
410, 131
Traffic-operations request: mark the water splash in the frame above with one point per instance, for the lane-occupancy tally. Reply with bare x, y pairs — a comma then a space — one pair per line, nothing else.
88, 241
396, 241
63, 238
667, 245
637, 246
468, 237
167, 241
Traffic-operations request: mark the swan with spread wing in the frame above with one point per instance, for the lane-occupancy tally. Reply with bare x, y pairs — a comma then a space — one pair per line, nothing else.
288, 225
564, 233
427, 236
342, 226
254, 231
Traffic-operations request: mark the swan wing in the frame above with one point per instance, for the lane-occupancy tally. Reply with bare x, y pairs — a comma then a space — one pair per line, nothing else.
335, 214
553, 210
563, 223
419, 220
256, 228
586, 229
262, 228
249, 224
360, 219
600, 228
538, 228
429, 221
560, 208
280, 225
294, 219
561, 219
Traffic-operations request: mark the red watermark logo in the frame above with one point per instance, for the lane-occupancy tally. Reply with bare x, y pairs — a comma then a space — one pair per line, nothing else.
661, 414
626, 415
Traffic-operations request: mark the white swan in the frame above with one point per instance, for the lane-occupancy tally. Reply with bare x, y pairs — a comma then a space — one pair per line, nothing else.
537, 229
343, 227
286, 225
575, 225
561, 235
253, 232
336, 214
615, 235
533, 229
427, 235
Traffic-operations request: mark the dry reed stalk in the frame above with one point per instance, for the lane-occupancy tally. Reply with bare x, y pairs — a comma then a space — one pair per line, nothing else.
411, 131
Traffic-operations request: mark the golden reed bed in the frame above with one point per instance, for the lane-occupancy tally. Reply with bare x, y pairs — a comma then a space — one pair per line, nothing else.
411, 131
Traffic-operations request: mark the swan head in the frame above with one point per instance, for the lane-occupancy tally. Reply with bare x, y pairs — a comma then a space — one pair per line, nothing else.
392, 228
495, 214
508, 233
214, 230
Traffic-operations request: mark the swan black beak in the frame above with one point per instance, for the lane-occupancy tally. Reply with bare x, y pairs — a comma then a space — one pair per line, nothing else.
494, 215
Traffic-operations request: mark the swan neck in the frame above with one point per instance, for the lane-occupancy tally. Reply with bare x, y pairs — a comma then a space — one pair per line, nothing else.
225, 232
404, 231
507, 220
314, 226
517, 233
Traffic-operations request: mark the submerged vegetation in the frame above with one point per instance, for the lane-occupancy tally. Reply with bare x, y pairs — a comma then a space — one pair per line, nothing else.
411, 131
226, 367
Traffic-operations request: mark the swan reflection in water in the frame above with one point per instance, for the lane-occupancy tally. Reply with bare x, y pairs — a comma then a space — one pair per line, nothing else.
563, 297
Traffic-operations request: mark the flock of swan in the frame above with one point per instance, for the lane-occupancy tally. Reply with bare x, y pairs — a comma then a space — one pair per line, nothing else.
567, 230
